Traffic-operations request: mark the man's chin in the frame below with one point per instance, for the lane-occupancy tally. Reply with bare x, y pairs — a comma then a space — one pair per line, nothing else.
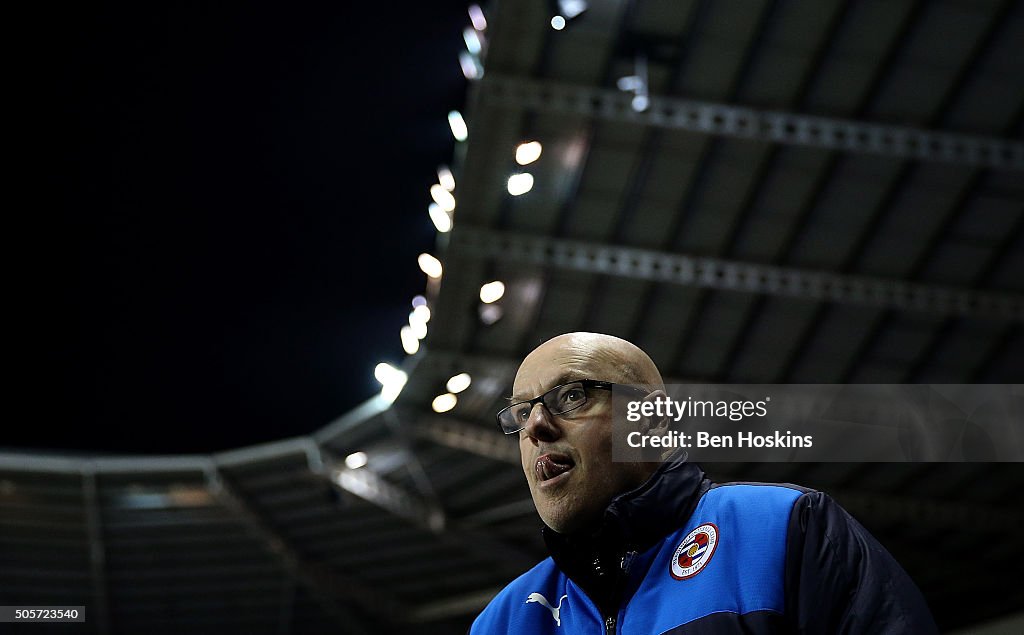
566, 527
563, 519
554, 513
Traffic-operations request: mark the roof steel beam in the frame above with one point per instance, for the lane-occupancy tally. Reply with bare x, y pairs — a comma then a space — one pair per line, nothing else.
422, 511
351, 420
23, 461
435, 510
97, 552
323, 583
374, 489
468, 437
284, 619
448, 362
370, 487
732, 275
845, 135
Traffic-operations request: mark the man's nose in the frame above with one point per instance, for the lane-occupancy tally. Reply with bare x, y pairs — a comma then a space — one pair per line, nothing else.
541, 426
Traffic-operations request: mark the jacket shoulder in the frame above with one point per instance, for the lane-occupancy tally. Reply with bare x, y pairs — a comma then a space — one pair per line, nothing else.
757, 498
502, 615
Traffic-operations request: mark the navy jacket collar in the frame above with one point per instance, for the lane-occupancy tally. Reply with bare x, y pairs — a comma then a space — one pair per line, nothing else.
660, 506
633, 521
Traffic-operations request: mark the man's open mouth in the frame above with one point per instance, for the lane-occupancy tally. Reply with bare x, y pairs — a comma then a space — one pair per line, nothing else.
548, 466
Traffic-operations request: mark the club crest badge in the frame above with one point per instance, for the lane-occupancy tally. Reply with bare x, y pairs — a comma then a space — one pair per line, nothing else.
694, 553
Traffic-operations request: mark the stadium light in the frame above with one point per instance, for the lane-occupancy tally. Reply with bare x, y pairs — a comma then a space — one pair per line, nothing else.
492, 291
430, 265
444, 403
391, 379
418, 325
519, 184
476, 16
528, 152
490, 313
459, 382
446, 178
442, 197
442, 221
473, 43
410, 343
458, 125
572, 8
471, 66
356, 460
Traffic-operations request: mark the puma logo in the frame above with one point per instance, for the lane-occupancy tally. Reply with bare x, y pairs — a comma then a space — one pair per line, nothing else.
543, 601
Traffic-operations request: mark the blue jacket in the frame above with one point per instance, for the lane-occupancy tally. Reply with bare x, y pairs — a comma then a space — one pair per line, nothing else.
681, 555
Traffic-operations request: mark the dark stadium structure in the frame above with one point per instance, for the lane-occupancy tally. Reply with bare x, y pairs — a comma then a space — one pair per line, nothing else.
804, 192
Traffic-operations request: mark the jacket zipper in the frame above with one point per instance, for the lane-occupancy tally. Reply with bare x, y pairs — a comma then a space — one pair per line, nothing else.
609, 625
627, 559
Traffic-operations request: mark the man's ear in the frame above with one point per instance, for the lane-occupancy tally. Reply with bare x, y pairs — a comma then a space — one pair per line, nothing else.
652, 426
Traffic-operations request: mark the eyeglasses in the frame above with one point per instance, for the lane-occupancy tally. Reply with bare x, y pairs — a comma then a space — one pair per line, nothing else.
558, 401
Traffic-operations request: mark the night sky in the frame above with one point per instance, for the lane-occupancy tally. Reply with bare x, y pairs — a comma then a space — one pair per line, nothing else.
232, 200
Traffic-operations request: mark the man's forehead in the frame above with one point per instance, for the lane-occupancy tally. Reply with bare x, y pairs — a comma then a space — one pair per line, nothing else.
544, 369
530, 388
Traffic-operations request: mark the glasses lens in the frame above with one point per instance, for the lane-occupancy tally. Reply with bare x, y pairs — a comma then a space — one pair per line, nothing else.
558, 400
562, 399
513, 418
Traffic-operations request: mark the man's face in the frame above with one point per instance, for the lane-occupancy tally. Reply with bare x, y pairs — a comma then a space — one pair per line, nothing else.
567, 458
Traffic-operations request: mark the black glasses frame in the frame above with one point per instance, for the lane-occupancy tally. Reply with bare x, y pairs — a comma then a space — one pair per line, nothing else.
551, 393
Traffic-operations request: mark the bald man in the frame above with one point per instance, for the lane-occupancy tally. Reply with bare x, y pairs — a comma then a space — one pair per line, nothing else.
640, 547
